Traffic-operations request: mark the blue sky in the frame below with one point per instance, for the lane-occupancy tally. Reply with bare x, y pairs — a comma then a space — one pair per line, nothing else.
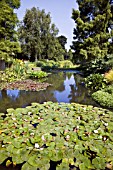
60, 10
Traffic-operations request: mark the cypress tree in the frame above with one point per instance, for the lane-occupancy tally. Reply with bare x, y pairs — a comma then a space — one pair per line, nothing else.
92, 32
9, 45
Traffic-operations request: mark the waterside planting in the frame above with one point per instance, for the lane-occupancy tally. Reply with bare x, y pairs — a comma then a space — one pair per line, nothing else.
21, 76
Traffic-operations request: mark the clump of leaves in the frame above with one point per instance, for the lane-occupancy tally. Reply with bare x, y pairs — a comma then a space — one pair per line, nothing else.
109, 60
50, 64
64, 135
47, 64
17, 71
95, 66
109, 76
37, 74
104, 97
95, 81
66, 64
40, 64
109, 89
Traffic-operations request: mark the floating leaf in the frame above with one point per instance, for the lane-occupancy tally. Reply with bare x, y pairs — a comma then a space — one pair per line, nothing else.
33, 161
3, 158
26, 166
82, 166
63, 166
17, 144
17, 159
10, 148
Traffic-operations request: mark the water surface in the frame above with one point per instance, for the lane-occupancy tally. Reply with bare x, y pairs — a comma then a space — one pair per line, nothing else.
66, 87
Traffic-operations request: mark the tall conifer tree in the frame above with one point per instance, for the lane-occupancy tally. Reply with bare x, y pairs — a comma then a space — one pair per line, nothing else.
92, 31
8, 20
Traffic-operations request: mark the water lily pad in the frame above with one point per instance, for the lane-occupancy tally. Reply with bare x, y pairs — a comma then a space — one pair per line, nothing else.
78, 134
33, 161
3, 157
27, 166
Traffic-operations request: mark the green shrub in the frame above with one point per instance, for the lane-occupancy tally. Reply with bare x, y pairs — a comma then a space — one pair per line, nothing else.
47, 64
103, 98
17, 71
31, 64
95, 81
109, 62
109, 89
66, 64
37, 74
94, 67
40, 64
51, 64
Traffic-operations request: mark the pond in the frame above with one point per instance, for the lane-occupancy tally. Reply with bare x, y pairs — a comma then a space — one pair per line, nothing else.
66, 87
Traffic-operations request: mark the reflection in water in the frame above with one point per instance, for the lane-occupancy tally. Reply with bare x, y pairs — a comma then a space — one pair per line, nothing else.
66, 87
63, 96
13, 94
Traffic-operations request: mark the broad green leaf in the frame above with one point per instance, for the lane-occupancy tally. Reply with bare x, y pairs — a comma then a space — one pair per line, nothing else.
17, 159
16, 143
26, 166
83, 167
10, 148
45, 167
3, 158
63, 166
33, 160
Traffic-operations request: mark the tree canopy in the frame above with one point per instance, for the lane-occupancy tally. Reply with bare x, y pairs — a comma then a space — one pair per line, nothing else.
92, 32
62, 40
38, 36
9, 45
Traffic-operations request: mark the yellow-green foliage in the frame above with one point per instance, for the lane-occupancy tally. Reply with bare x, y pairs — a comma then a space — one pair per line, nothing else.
17, 71
66, 64
109, 76
30, 65
51, 64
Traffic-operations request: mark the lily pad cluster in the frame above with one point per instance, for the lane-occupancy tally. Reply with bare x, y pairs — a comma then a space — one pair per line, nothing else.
59, 136
28, 85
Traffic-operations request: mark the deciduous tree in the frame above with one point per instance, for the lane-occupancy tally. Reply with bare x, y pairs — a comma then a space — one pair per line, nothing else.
38, 35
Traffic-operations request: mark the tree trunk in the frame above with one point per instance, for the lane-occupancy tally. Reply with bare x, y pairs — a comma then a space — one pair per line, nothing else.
2, 65
36, 57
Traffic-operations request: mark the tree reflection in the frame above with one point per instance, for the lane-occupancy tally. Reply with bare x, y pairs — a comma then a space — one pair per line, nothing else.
66, 87
57, 81
79, 93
